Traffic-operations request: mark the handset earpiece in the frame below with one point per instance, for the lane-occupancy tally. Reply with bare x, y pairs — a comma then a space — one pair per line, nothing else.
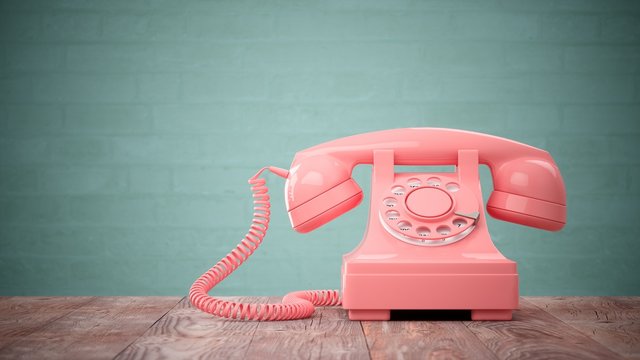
318, 190
529, 192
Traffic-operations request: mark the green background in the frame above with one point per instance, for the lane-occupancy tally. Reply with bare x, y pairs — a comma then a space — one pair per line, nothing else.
129, 129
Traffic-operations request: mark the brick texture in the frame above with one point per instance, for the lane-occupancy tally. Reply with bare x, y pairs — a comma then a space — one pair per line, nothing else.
128, 130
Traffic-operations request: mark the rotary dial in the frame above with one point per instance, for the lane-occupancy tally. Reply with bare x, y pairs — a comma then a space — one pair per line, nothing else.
428, 210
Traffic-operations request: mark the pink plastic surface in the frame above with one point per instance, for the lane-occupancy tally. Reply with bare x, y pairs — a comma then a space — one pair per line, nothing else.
517, 168
429, 202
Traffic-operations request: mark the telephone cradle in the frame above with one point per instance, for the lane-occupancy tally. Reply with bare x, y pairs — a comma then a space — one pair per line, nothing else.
427, 245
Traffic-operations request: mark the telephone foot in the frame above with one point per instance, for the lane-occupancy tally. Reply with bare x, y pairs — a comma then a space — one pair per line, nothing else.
369, 314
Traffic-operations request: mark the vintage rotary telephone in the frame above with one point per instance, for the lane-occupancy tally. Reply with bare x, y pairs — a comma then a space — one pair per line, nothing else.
426, 245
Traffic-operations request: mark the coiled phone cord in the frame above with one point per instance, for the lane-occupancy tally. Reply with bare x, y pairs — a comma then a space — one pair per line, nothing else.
295, 305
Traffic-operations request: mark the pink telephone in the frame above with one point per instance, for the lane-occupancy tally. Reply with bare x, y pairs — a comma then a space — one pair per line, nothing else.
426, 245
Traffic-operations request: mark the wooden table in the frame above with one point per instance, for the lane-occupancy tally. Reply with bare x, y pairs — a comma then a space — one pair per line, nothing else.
169, 327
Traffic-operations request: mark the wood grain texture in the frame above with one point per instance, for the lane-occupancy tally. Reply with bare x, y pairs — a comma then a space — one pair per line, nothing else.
612, 321
534, 333
21, 316
143, 328
423, 339
317, 337
187, 333
98, 329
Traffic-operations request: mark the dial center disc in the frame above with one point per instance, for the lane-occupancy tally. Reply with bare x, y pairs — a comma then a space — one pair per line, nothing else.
429, 202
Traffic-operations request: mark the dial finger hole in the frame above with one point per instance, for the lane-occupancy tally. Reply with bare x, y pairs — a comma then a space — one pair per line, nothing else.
393, 215
453, 187
443, 230
459, 222
423, 231
414, 183
404, 225
434, 181
397, 190
390, 202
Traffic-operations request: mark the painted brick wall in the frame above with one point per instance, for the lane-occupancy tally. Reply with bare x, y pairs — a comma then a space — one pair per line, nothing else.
129, 128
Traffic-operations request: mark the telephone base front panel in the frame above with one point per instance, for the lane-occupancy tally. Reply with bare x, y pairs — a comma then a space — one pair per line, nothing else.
490, 296
383, 315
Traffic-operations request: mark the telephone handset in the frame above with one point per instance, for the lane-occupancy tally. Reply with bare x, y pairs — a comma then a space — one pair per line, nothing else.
426, 245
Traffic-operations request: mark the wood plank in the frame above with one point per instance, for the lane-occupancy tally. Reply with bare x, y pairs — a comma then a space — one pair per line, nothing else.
21, 316
188, 333
88, 327
535, 333
590, 308
423, 339
612, 321
97, 330
327, 334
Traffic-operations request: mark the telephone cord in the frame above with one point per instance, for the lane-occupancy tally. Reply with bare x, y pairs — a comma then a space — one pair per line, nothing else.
295, 305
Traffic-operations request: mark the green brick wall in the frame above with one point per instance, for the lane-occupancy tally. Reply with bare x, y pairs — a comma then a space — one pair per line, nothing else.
128, 130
